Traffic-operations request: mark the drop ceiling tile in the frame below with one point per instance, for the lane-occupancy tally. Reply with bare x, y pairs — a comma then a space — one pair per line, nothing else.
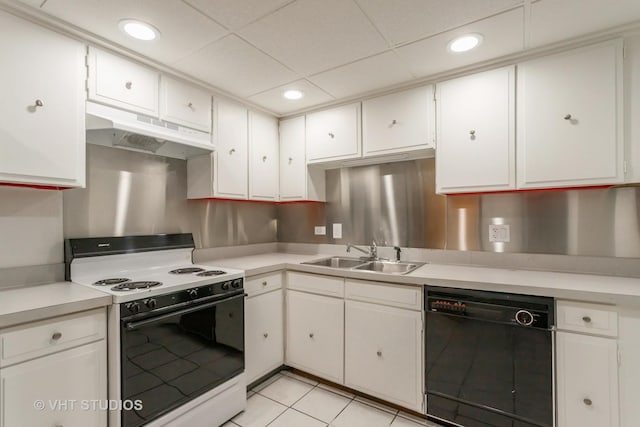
552, 21
311, 36
273, 100
235, 66
182, 28
407, 20
236, 14
368, 74
503, 34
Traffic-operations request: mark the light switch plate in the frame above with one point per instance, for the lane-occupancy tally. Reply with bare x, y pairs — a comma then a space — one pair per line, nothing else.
337, 231
320, 230
499, 233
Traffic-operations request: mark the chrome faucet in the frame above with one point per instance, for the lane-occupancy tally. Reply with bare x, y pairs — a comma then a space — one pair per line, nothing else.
371, 255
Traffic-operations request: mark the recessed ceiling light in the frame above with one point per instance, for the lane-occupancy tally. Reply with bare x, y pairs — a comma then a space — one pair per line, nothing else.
465, 43
293, 94
138, 29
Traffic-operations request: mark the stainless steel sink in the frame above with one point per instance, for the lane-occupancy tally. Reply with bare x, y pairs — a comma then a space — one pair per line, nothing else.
337, 262
389, 267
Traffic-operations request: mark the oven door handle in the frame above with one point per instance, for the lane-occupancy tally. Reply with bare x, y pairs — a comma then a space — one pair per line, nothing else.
131, 326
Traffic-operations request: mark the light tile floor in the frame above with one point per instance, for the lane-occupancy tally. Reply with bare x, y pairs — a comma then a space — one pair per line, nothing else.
289, 400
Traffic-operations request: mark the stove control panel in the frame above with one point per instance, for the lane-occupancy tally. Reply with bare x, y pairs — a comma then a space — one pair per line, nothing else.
184, 297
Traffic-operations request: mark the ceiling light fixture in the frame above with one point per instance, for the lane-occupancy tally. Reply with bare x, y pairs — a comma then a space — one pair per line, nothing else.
465, 43
293, 94
139, 30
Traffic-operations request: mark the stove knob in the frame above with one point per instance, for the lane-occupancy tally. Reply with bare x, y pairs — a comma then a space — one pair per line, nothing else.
193, 293
133, 307
524, 318
237, 283
151, 303
225, 286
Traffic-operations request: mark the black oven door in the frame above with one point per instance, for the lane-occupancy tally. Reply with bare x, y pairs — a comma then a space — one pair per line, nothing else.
173, 357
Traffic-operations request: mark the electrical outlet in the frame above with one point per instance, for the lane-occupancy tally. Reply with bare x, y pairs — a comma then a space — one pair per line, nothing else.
337, 231
499, 233
320, 230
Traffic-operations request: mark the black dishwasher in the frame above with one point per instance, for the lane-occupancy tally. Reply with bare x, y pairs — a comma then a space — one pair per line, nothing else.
489, 358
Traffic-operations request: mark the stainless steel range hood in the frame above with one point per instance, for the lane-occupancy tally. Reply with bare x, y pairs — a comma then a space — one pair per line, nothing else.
113, 127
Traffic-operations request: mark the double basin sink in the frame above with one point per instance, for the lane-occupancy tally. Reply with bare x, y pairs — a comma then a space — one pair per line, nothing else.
387, 267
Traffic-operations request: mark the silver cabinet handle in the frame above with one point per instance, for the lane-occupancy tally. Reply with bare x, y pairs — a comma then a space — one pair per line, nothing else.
264, 283
39, 103
567, 117
394, 122
311, 335
379, 353
56, 336
587, 401
472, 132
264, 158
190, 105
233, 150
266, 335
331, 135
128, 85
586, 319
290, 160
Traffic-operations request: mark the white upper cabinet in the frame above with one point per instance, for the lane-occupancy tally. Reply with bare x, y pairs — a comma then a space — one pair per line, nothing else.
263, 157
570, 118
398, 123
476, 133
42, 130
334, 134
121, 83
297, 181
184, 104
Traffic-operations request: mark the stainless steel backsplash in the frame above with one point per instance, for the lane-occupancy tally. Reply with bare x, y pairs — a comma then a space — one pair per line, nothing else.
396, 204
131, 193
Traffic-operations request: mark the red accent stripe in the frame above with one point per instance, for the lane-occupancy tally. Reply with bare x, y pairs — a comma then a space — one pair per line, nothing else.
38, 187
531, 190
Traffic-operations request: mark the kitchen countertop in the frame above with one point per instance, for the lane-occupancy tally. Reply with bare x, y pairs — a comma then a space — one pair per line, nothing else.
583, 287
31, 303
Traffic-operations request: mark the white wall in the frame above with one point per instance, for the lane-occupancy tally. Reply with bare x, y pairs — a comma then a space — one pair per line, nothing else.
30, 227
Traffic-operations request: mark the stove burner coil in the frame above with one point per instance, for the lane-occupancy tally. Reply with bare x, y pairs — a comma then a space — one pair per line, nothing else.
187, 270
211, 273
113, 281
130, 286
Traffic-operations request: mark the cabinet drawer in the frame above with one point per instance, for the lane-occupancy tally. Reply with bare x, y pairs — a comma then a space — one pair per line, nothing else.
323, 285
594, 319
48, 336
121, 83
256, 285
388, 294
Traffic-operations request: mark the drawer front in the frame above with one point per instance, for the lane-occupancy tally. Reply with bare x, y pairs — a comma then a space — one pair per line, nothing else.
48, 336
185, 104
588, 318
323, 285
256, 285
388, 294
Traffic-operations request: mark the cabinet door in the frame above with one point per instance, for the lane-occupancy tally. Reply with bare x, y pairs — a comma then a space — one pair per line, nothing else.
334, 134
570, 118
263, 157
184, 104
231, 157
42, 130
293, 165
315, 332
66, 378
476, 133
587, 381
400, 122
116, 81
264, 334
383, 352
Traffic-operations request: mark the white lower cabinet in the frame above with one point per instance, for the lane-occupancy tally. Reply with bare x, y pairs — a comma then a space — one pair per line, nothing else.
264, 334
315, 334
383, 351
